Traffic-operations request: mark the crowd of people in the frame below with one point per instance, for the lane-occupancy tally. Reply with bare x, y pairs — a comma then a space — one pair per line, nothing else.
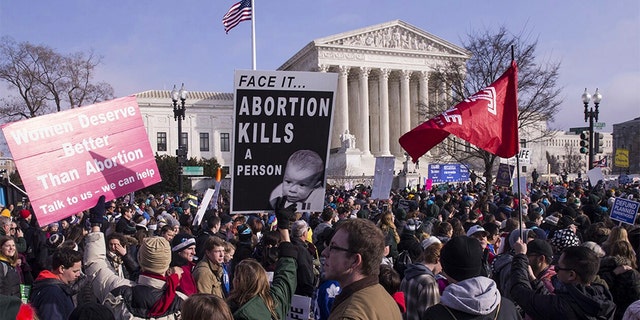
452, 252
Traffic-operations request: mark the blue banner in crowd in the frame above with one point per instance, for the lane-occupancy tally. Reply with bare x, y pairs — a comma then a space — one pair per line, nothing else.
624, 210
453, 172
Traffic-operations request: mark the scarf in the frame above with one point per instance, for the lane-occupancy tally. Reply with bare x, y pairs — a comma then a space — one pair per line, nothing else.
161, 306
12, 261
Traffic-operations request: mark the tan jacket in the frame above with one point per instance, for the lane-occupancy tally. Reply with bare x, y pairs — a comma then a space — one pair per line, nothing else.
208, 278
365, 299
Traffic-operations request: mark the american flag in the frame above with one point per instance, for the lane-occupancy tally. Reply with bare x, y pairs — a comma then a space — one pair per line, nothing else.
602, 163
238, 12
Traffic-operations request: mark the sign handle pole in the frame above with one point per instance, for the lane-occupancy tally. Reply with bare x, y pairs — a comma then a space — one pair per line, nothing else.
519, 199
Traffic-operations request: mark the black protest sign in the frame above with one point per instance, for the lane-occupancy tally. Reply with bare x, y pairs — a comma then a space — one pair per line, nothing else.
281, 138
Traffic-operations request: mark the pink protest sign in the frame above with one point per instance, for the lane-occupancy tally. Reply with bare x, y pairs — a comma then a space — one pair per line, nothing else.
67, 160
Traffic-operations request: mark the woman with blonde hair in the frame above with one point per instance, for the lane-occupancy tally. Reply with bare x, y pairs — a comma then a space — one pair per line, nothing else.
205, 306
618, 233
251, 296
10, 272
391, 236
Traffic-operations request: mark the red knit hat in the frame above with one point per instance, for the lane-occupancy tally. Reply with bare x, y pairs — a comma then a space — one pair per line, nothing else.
24, 213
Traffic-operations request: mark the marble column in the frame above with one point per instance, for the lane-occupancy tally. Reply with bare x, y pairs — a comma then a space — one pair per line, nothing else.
341, 119
405, 113
413, 105
423, 94
423, 97
354, 107
394, 115
374, 113
364, 111
383, 82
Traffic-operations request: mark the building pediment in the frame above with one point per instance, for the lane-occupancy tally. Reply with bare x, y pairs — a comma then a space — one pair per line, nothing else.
392, 36
394, 42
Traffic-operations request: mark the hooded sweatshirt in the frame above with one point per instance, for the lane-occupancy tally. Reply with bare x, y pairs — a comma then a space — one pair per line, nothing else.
477, 296
473, 298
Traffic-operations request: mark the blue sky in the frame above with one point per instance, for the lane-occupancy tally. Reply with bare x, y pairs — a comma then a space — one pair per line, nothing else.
149, 45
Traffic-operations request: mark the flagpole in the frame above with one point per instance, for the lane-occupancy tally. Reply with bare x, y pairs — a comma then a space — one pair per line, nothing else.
518, 169
253, 34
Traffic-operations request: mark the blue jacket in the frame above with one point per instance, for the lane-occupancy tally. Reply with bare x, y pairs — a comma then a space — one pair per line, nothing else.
51, 297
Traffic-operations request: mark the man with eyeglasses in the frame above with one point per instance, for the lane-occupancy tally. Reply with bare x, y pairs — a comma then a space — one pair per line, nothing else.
353, 259
575, 296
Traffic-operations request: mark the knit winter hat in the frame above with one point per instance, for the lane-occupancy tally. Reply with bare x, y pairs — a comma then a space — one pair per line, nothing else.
244, 232
564, 238
93, 311
55, 240
24, 213
429, 241
182, 241
461, 258
13, 308
154, 255
412, 225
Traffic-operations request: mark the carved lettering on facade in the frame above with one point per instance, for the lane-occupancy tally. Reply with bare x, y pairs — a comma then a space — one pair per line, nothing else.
394, 38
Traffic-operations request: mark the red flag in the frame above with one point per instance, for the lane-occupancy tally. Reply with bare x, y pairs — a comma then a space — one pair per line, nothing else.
488, 120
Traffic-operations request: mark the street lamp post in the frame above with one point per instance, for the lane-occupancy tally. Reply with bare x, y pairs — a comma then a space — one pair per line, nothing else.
178, 115
591, 116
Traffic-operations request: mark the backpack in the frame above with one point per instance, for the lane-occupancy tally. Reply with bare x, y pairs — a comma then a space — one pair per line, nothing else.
402, 262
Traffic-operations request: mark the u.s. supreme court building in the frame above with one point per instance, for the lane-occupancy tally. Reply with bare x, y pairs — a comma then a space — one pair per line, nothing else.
383, 80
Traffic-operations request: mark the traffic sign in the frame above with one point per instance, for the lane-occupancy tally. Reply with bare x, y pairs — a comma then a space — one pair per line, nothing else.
578, 129
621, 159
193, 171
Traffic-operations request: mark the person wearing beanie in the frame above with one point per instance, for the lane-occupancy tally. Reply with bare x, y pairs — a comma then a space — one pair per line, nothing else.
409, 241
153, 295
93, 311
244, 246
183, 251
468, 294
576, 295
252, 297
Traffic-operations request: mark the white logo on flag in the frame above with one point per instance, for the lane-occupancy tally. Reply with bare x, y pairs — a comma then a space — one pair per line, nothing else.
488, 94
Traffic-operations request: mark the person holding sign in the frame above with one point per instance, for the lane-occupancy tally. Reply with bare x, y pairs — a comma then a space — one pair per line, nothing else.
251, 296
302, 181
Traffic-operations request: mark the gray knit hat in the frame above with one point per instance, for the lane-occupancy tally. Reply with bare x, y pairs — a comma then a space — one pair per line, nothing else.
154, 255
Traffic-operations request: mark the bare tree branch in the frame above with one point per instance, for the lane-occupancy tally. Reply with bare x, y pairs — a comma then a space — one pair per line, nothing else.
46, 81
538, 91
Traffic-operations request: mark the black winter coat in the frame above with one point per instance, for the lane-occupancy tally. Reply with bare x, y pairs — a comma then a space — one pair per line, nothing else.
409, 242
568, 301
624, 287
